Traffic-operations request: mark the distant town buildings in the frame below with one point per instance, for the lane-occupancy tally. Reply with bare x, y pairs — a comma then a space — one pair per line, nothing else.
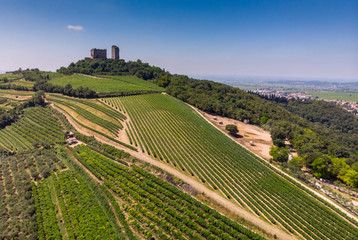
102, 53
351, 107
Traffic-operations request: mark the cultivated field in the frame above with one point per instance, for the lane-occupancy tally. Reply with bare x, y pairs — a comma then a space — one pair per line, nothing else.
91, 113
105, 84
155, 208
10, 76
344, 96
17, 174
81, 215
172, 132
37, 126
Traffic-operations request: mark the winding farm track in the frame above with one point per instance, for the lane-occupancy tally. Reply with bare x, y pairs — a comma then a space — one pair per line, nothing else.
215, 197
287, 175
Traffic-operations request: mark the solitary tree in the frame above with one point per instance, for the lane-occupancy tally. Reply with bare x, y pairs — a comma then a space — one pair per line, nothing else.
232, 129
279, 154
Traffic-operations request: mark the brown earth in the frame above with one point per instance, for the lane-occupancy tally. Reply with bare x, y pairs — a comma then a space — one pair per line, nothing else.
261, 139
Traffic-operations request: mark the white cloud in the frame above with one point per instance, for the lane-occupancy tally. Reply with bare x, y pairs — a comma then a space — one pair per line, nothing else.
76, 28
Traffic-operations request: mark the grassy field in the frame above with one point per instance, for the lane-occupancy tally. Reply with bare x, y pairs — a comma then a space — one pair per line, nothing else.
20, 82
352, 97
172, 132
15, 93
108, 84
136, 81
10, 76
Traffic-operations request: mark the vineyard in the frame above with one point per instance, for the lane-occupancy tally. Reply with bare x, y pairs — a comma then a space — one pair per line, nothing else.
157, 209
17, 210
95, 113
172, 132
36, 126
81, 214
8, 103
105, 84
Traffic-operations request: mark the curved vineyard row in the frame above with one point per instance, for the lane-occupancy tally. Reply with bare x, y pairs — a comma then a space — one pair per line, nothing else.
110, 126
37, 125
156, 208
100, 107
172, 132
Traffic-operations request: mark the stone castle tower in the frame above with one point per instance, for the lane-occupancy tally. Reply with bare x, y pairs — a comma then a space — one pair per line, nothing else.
115, 52
99, 53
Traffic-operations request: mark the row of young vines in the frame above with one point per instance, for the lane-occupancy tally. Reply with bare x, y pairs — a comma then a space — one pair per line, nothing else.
171, 131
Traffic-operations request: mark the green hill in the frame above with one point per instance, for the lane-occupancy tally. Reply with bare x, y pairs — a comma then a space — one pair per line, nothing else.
104, 84
171, 131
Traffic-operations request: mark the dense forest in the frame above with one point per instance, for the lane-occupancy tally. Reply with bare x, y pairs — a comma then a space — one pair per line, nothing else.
324, 135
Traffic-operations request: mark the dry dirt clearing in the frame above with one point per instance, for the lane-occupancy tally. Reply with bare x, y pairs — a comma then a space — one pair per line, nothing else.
261, 139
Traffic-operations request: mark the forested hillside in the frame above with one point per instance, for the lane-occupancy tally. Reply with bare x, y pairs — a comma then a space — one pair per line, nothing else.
113, 67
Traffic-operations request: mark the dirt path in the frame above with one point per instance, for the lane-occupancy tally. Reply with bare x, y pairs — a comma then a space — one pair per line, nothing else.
89, 75
292, 178
270, 229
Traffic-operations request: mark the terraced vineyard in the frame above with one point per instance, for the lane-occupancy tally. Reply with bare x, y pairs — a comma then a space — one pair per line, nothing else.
93, 112
157, 209
37, 126
171, 131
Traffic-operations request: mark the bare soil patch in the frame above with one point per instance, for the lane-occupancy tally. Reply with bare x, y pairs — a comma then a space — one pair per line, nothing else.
261, 139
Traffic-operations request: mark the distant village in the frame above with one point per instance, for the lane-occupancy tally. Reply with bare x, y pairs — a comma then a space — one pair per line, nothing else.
351, 107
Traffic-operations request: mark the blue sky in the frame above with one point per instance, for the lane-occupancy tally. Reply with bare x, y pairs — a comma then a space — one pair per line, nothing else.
283, 38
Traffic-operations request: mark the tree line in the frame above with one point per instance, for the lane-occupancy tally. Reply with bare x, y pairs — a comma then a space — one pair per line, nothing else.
113, 67
10, 116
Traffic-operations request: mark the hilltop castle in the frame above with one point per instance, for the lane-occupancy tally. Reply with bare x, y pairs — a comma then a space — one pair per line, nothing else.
102, 53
